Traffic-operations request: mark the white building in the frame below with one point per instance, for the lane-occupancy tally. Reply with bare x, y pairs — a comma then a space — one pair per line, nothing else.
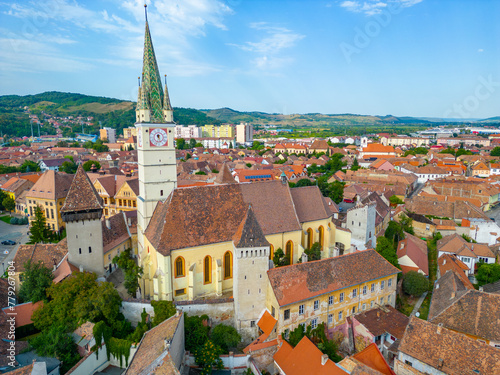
187, 132
244, 133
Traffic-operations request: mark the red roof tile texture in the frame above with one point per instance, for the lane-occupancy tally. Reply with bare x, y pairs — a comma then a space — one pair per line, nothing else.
82, 195
302, 281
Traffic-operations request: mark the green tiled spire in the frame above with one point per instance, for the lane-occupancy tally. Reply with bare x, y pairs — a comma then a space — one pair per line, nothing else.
166, 101
151, 88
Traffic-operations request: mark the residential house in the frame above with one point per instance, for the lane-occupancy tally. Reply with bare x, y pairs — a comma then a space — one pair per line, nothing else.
118, 193
469, 253
161, 350
433, 349
305, 358
450, 262
377, 150
430, 173
480, 170
382, 210
412, 255
405, 141
318, 146
15, 186
51, 164
381, 165
383, 326
49, 193
473, 313
329, 290
495, 169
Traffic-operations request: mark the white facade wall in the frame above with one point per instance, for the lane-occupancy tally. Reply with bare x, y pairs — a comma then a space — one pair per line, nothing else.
244, 133
187, 132
361, 222
418, 365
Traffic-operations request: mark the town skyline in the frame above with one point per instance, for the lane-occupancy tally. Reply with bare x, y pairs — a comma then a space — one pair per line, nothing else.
252, 56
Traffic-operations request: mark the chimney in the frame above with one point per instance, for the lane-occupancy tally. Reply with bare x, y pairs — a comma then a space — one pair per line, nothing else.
453, 294
55, 266
481, 289
166, 344
108, 224
324, 359
439, 327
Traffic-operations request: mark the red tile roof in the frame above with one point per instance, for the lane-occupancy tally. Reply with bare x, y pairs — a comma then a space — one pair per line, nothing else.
305, 358
302, 281
249, 232
416, 250
82, 195
373, 358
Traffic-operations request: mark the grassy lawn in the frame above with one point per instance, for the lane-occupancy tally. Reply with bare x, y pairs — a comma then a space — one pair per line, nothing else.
406, 304
5, 219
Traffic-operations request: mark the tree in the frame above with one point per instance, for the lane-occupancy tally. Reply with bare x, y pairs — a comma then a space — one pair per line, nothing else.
304, 182
421, 151
89, 163
192, 143
395, 200
77, 299
181, 143
131, 270
394, 232
195, 331
415, 284
448, 150
9, 204
39, 231
495, 151
226, 337
163, 311
355, 165
387, 250
318, 337
406, 224
207, 357
36, 280
69, 167
280, 259
314, 253
249, 165
488, 273
56, 342
30, 166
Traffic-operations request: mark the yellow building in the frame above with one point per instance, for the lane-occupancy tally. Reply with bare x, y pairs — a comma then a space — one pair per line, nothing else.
222, 131
189, 249
49, 193
329, 290
118, 193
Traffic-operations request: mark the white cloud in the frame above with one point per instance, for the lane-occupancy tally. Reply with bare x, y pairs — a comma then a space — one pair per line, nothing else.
480, 50
371, 7
173, 22
275, 40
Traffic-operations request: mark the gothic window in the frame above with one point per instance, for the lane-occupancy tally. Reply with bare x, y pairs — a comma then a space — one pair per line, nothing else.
289, 251
228, 265
179, 267
310, 238
207, 269
321, 236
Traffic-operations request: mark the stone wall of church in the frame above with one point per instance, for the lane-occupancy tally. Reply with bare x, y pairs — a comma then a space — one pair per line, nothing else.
219, 311
85, 245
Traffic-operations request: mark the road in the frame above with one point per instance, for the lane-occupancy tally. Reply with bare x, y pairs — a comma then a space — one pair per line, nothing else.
494, 214
16, 233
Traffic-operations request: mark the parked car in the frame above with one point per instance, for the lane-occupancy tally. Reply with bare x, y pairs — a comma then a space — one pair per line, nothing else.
8, 242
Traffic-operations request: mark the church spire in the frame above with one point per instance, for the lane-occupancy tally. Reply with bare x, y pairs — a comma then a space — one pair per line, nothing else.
151, 90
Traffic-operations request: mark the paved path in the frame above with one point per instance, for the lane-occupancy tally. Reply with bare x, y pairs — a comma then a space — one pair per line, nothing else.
16, 233
418, 304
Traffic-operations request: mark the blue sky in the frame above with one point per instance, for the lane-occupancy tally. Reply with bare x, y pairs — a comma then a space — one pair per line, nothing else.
436, 58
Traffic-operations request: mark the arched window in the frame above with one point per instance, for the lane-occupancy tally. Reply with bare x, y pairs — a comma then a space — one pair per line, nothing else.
179, 267
271, 252
228, 265
207, 270
321, 237
310, 238
289, 252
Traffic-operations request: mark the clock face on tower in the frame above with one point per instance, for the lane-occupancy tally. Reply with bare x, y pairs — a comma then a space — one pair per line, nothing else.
158, 137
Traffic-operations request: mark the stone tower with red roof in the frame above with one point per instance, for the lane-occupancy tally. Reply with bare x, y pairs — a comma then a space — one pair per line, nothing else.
251, 262
82, 214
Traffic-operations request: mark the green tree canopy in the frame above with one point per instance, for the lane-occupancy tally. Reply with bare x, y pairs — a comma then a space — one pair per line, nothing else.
415, 284
314, 253
131, 270
36, 280
9, 203
279, 258
488, 273
69, 167
448, 150
30, 166
196, 333
39, 230
225, 337
208, 357
192, 143
78, 299
304, 182
495, 151
387, 250
181, 143
163, 310
395, 200
88, 165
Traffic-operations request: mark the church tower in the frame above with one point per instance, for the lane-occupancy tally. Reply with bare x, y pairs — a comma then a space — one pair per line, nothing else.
82, 212
155, 139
